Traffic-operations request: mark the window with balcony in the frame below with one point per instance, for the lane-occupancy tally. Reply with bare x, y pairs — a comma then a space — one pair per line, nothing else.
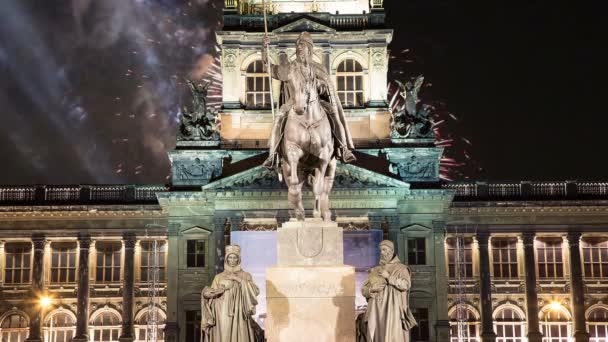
14, 328
597, 324
63, 262
595, 257
509, 326
504, 257
555, 326
349, 79
195, 253
153, 259
421, 331
108, 262
59, 327
106, 326
145, 328
464, 326
416, 251
460, 257
257, 86
550, 260
18, 258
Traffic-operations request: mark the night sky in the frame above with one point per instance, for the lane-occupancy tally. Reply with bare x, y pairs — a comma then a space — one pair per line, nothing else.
91, 89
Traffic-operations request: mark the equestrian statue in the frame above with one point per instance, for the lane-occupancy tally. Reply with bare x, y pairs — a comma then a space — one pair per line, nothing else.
310, 131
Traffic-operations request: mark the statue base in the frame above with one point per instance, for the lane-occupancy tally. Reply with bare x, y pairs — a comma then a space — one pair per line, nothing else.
310, 303
310, 294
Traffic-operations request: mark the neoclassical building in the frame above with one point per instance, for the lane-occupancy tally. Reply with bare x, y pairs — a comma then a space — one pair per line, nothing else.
503, 262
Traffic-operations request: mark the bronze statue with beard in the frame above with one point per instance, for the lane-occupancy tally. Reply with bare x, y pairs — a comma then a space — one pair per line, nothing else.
306, 86
227, 306
388, 317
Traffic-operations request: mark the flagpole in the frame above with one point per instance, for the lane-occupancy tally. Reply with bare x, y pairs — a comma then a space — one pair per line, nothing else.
268, 61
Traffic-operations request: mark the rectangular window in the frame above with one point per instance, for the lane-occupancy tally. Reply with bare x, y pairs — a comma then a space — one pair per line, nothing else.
63, 262
550, 261
421, 331
153, 258
196, 253
416, 251
17, 263
193, 326
108, 261
504, 257
460, 257
595, 257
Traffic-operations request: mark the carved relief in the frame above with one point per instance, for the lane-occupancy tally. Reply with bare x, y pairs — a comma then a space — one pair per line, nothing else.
229, 60
379, 58
416, 167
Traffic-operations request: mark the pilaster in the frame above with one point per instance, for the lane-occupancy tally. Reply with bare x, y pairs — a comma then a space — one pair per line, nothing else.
577, 288
171, 327
2, 261
39, 243
82, 306
487, 328
442, 323
127, 288
534, 334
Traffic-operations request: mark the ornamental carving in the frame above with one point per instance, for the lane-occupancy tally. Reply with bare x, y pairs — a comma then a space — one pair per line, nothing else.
258, 227
229, 60
379, 58
416, 168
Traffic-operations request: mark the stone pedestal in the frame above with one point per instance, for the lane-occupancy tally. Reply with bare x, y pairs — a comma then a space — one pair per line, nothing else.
310, 294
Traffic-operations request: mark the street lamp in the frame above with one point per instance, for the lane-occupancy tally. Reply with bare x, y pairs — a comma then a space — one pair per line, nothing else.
45, 302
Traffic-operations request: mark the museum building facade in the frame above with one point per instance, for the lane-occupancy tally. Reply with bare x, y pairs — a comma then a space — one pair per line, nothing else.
505, 262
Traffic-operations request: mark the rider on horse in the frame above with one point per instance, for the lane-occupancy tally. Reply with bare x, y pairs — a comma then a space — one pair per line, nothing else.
306, 84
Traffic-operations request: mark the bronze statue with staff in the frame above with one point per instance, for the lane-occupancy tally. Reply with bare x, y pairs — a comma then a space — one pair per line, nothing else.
310, 131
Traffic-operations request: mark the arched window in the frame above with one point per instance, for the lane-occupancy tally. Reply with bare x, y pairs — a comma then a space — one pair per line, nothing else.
144, 326
257, 91
59, 327
597, 324
509, 326
555, 325
349, 77
464, 325
14, 328
106, 327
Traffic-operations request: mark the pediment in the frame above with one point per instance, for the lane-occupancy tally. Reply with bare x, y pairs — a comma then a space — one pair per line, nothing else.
416, 228
347, 177
195, 230
304, 24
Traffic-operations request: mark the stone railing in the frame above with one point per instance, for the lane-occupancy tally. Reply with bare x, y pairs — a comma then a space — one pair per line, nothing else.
80, 194
480, 191
251, 19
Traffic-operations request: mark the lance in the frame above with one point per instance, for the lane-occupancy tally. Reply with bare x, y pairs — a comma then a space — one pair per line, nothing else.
268, 61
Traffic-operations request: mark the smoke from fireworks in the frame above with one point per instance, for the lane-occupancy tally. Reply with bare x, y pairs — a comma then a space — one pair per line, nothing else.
102, 81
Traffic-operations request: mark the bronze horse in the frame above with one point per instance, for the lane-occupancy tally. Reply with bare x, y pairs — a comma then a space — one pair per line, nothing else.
307, 154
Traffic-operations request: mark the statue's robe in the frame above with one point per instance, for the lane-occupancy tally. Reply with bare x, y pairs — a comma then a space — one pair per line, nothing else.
226, 313
323, 97
388, 317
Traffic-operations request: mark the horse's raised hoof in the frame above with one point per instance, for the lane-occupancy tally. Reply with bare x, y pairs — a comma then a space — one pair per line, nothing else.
299, 215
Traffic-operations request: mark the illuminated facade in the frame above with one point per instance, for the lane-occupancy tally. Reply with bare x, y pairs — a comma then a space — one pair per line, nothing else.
503, 262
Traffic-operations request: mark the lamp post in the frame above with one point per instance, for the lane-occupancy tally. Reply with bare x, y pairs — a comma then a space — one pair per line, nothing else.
45, 303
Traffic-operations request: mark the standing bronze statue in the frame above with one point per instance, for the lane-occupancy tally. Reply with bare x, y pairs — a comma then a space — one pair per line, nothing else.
388, 317
310, 131
227, 306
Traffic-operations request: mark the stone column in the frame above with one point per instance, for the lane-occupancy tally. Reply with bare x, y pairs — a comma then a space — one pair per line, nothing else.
534, 334
171, 327
82, 307
127, 289
577, 290
37, 288
442, 323
2, 261
487, 328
